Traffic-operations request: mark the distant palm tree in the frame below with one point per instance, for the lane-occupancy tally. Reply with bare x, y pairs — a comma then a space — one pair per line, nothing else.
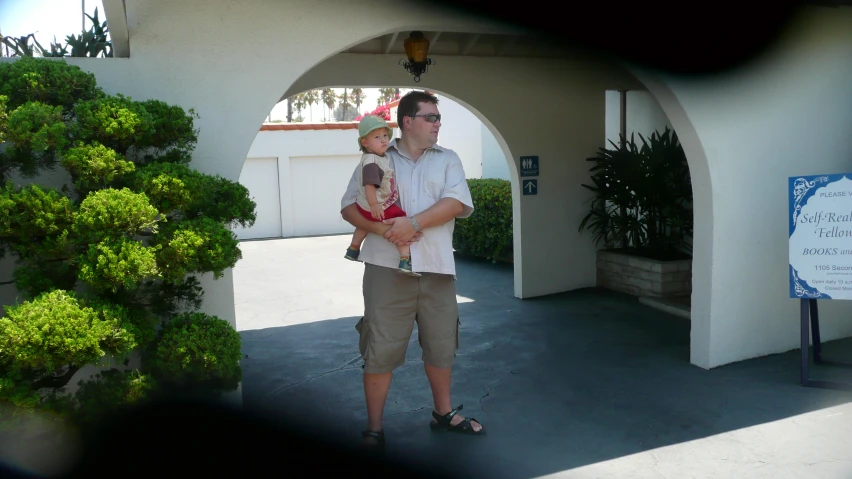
329, 99
311, 97
387, 95
344, 102
299, 104
358, 98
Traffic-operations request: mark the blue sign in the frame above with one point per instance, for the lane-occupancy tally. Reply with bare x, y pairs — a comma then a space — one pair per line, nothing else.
529, 166
820, 221
530, 187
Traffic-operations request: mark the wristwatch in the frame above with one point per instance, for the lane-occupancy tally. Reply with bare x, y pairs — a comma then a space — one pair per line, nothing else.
414, 224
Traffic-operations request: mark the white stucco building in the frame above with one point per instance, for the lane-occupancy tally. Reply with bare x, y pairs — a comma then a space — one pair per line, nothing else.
744, 133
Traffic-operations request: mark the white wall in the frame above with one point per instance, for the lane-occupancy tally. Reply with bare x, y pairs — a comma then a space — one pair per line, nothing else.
337, 148
787, 114
494, 164
743, 135
644, 116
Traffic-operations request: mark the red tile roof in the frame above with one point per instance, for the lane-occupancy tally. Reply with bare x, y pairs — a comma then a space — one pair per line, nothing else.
343, 125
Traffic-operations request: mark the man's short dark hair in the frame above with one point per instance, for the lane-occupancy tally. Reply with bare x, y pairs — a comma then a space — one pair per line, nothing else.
409, 104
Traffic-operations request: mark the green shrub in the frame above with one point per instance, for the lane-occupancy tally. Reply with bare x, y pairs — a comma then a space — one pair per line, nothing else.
197, 349
487, 233
46, 81
105, 395
109, 258
55, 329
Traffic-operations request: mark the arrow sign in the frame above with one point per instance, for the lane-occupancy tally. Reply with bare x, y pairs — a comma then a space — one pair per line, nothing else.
530, 187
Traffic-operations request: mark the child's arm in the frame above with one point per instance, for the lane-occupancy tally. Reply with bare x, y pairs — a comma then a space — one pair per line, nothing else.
375, 206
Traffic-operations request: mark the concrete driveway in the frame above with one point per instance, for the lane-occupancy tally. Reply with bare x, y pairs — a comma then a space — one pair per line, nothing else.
582, 384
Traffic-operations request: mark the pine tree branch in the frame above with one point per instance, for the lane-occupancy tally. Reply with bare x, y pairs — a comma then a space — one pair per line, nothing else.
56, 381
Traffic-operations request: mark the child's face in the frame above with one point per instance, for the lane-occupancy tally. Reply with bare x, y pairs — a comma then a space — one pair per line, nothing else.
377, 141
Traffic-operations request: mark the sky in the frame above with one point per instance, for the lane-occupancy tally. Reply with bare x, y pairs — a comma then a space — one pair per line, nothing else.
46, 18
279, 112
59, 18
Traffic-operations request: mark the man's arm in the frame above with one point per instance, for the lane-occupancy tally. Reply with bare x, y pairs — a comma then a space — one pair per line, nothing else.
352, 216
439, 213
455, 202
401, 229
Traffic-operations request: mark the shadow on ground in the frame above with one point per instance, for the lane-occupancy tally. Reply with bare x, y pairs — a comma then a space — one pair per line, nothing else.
560, 382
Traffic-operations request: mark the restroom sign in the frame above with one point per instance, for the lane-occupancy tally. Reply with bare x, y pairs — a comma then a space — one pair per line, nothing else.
529, 166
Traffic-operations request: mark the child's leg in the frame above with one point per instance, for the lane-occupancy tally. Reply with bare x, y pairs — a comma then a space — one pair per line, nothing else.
358, 238
405, 260
395, 211
354, 250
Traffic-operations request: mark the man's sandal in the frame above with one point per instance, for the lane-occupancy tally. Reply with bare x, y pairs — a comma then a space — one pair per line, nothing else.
378, 436
464, 427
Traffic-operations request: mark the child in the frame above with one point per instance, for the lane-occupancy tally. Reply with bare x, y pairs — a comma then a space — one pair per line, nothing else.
377, 193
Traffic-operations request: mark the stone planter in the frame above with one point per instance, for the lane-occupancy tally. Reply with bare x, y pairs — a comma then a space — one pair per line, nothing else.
643, 277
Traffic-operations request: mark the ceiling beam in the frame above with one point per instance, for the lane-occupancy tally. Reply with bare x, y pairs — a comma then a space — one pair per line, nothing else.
388, 42
434, 39
505, 42
469, 43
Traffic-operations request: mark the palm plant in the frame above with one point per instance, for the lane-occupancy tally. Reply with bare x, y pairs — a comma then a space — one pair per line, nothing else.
643, 197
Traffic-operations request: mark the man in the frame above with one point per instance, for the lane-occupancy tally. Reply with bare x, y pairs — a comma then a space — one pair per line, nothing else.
433, 190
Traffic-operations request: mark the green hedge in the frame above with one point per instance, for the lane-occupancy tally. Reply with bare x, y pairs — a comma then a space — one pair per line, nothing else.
487, 233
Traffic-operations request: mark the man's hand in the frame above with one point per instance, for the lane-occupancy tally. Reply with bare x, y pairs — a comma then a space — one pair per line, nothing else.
377, 211
401, 231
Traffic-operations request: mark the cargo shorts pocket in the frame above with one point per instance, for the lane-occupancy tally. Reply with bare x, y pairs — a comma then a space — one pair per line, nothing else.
458, 327
363, 328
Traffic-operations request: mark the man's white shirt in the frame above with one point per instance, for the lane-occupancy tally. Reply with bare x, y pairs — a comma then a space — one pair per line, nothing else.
437, 174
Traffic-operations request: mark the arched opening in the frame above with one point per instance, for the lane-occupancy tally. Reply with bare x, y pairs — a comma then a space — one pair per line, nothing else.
284, 156
281, 170
702, 200
459, 81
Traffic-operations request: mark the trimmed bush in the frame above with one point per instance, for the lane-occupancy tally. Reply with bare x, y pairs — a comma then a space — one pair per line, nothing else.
487, 233
197, 349
108, 265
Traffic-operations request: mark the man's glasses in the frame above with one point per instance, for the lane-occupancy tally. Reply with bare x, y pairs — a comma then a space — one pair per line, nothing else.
429, 117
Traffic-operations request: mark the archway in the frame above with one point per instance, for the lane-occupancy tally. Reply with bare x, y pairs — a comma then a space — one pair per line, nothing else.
702, 194
266, 149
565, 115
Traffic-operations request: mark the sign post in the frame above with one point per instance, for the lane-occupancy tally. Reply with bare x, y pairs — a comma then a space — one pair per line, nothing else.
820, 252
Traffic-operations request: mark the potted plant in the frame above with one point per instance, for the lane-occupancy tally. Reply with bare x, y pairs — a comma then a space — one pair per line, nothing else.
642, 213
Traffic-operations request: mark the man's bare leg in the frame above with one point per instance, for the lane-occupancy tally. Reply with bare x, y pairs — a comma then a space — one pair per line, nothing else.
376, 387
439, 380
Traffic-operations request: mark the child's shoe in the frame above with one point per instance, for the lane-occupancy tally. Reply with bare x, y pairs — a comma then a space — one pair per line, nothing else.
405, 267
352, 254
